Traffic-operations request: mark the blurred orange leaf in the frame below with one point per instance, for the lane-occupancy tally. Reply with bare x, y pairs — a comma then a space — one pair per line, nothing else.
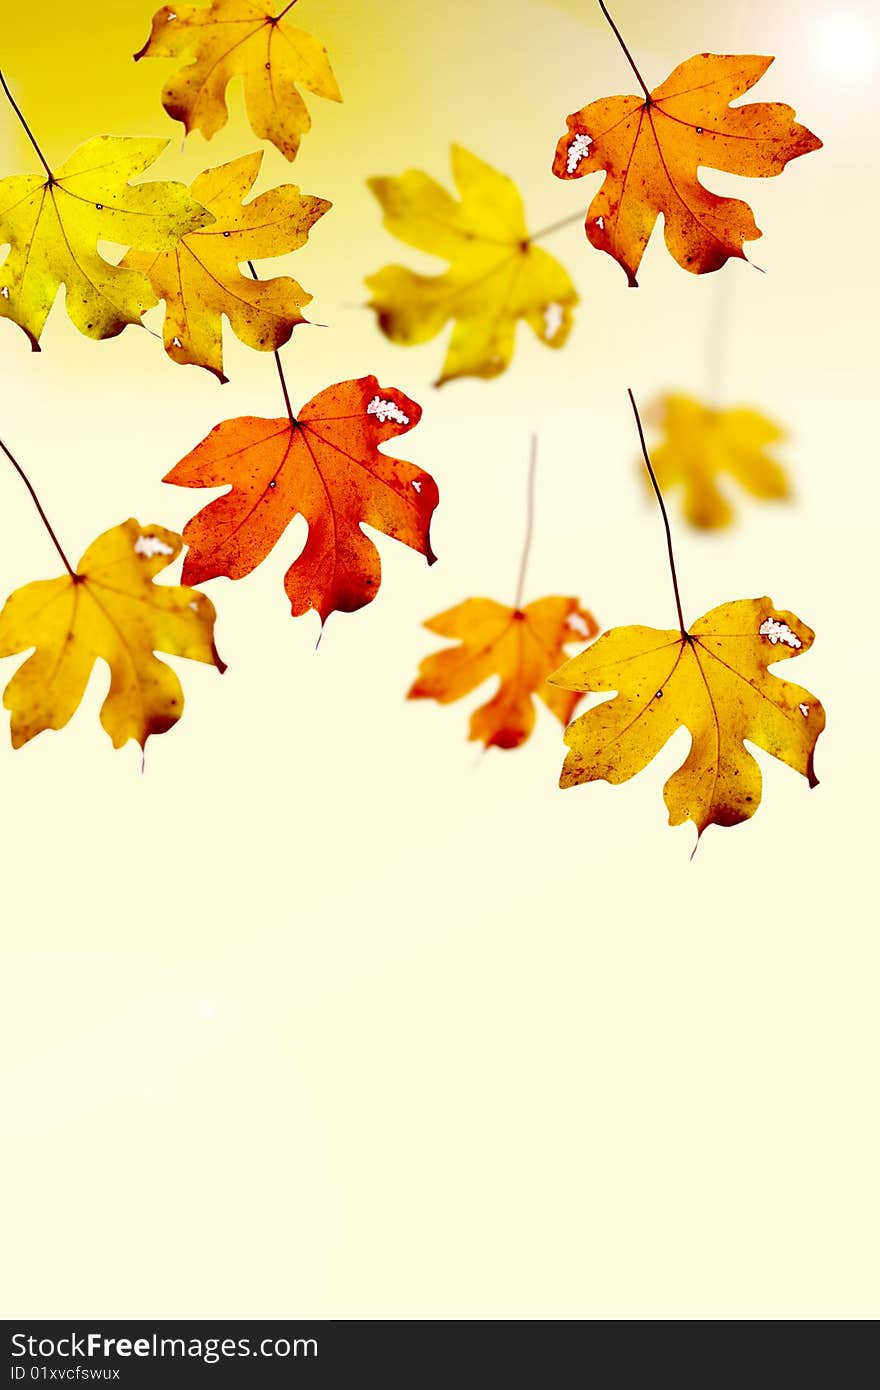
200, 281
326, 465
650, 148
701, 442
712, 681
496, 275
237, 38
519, 646
111, 609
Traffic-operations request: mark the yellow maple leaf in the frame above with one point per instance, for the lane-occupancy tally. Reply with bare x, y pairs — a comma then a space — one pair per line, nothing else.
53, 224
200, 281
712, 680
240, 38
701, 442
110, 609
497, 276
521, 646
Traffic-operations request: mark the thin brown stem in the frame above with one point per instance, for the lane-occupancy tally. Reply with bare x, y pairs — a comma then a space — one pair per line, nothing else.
284, 11
630, 59
281, 376
557, 226
530, 525
36, 501
656, 486
30, 134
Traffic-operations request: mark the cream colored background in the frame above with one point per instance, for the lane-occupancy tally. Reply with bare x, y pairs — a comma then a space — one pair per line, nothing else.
326, 1013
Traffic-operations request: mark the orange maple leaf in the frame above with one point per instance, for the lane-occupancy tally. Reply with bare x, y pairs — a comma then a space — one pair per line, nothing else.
326, 465
521, 646
650, 147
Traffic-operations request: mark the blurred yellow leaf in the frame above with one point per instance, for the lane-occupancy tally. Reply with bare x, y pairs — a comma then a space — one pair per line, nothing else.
700, 443
237, 38
713, 682
53, 226
519, 646
496, 275
200, 281
111, 609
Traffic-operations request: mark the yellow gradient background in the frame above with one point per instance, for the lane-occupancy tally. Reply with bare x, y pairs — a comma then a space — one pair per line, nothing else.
325, 1013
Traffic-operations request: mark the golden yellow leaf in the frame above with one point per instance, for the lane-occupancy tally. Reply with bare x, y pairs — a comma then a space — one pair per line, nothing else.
200, 280
53, 226
713, 682
519, 646
701, 442
240, 38
496, 275
111, 609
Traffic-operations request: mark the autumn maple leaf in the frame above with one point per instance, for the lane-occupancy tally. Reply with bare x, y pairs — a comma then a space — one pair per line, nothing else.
521, 646
200, 281
326, 465
700, 443
497, 276
711, 680
650, 147
54, 222
240, 38
110, 608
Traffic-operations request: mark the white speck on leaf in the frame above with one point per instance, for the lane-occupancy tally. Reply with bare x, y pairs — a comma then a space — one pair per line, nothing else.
777, 632
195, 605
417, 485
150, 546
578, 623
5, 291
554, 315
177, 343
600, 223
578, 150
387, 410
804, 709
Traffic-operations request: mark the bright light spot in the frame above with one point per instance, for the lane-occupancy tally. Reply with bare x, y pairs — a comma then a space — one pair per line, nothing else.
578, 149
150, 546
842, 42
554, 318
777, 632
387, 410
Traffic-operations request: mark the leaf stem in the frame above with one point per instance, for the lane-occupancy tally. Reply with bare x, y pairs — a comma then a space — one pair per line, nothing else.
43, 517
557, 226
629, 57
656, 486
281, 376
284, 11
530, 525
30, 134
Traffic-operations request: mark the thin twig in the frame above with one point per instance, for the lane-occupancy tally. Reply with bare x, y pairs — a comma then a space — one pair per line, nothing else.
653, 477
630, 59
30, 134
557, 226
281, 376
530, 525
36, 501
